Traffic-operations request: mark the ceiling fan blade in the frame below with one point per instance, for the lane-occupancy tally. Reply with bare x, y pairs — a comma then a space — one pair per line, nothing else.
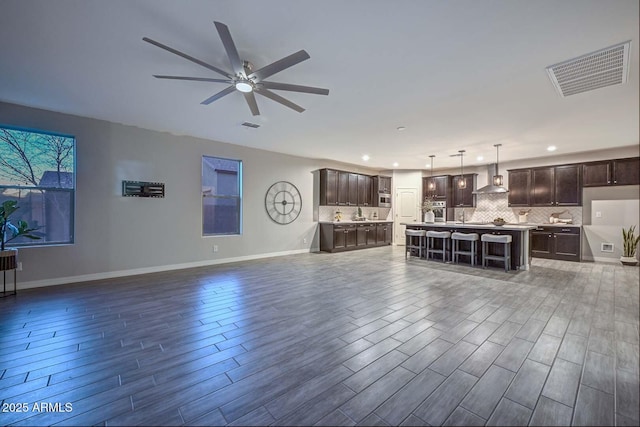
195, 79
230, 47
187, 57
279, 65
218, 95
279, 99
294, 88
253, 105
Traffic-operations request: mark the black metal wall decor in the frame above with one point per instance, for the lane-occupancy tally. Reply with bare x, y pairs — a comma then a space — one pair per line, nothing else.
142, 189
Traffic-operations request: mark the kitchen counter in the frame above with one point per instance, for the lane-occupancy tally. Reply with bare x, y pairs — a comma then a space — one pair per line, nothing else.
369, 221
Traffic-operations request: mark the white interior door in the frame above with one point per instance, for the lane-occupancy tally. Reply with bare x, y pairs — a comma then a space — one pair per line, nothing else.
406, 211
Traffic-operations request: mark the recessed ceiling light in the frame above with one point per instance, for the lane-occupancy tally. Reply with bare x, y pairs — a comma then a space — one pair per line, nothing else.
551, 148
401, 128
396, 164
480, 158
365, 157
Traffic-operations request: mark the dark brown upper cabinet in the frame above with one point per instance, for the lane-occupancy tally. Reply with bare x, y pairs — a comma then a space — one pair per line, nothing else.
464, 198
382, 184
340, 188
353, 190
556, 186
611, 172
343, 188
520, 188
365, 185
328, 187
438, 187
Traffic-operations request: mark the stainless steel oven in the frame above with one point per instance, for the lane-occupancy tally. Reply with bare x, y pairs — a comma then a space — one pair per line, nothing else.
440, 210
384, 200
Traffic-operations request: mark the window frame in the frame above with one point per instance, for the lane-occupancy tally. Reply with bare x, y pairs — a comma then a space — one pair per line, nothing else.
71, 191
239, 197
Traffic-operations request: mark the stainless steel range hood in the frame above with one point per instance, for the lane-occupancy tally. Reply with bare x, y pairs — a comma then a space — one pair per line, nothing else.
492, 171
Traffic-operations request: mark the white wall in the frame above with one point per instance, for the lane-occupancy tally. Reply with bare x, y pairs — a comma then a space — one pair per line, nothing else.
117, 235
619, 208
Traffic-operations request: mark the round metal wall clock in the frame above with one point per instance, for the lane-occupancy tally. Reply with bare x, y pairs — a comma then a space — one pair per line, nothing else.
283, 202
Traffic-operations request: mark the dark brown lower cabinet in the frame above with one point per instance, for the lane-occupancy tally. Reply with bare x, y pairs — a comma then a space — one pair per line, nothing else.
344, 237
561, 243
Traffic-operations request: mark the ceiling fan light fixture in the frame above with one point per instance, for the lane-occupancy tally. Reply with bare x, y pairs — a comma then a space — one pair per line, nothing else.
244, 86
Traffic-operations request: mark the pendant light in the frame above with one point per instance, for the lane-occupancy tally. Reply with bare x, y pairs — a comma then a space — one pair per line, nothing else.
497, 179
462, 184
432, 184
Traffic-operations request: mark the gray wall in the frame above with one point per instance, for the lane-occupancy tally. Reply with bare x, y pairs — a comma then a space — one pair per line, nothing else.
117, 235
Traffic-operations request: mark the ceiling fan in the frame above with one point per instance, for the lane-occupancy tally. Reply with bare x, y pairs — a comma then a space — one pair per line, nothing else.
244, 78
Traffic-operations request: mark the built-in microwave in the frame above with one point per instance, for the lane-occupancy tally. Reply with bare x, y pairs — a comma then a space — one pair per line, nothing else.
384, 200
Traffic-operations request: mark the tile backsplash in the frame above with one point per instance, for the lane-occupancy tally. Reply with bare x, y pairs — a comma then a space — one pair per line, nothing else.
490, 206
327, 213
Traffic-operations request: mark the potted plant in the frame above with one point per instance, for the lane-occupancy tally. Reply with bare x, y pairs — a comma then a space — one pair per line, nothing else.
630, 244
427, 210
10, 231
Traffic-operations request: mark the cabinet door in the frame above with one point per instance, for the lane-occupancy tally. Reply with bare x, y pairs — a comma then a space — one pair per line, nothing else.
353, 189
567, 246
351, 238
520, 188
542, 244
384, 234
343, 188
364, 190
385, 184
596, 174
442, 186
328, 187
463, 197
626, 171
542, 187
361, 235
427, 190
436, 186
371, 235
568, 190
339, 238
379, 231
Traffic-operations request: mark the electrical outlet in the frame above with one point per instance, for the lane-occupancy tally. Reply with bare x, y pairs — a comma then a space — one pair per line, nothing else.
19, 266
598, 214
304, 240
215, 248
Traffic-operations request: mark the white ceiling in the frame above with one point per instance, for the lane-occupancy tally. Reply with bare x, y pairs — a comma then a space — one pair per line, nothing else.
456, 74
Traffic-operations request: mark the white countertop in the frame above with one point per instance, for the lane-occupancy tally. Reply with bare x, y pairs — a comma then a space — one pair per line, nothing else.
476, 225
369, 221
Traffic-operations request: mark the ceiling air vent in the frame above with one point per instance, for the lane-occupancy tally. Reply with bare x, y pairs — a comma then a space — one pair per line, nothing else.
605, 67
250, 125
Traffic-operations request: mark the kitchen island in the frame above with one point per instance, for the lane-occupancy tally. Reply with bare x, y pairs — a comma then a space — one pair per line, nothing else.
520, 245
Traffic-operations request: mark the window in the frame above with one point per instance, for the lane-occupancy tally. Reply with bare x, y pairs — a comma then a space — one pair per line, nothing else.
221, 196
37, 169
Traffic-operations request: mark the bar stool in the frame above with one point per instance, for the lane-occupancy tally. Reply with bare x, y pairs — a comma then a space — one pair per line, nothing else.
472, 238
505, 239
409, 241
431, 249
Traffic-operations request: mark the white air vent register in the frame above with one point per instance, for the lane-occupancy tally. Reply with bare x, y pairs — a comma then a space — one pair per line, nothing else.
605, 67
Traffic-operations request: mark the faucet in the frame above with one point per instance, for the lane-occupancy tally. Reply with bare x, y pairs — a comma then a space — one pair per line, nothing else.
462, 216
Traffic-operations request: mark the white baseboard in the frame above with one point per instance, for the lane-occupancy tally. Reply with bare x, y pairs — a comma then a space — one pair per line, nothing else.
601, 259
156, 269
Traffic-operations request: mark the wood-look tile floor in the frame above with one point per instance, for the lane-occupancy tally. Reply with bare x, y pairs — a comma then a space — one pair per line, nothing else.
330, 339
